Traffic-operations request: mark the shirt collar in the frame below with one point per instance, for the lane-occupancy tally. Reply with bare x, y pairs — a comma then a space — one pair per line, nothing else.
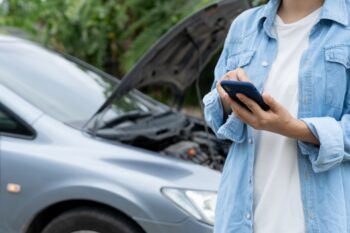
268, 15
335, 10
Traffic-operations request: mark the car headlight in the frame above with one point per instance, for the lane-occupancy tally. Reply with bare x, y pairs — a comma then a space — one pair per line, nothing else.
199, 204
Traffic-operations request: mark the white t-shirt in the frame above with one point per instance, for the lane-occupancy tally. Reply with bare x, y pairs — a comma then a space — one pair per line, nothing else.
277, 197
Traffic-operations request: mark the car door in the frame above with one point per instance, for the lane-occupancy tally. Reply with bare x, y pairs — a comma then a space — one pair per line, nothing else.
14, 128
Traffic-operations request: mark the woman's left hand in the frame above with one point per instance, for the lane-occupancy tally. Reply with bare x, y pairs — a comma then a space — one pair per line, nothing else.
277, 119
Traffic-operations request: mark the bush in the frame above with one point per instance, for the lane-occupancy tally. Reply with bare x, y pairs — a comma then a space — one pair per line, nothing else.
106, 33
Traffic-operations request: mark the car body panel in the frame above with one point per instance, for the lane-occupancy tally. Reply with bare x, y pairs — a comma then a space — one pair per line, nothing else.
62, 163
26, 111
53, 168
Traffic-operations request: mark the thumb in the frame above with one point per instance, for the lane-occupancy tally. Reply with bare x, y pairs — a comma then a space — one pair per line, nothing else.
242, 76
269, 100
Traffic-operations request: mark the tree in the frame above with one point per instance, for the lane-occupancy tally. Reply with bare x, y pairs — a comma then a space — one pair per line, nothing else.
110, 34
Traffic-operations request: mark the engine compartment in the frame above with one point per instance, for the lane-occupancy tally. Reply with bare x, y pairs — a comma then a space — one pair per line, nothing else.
172, 134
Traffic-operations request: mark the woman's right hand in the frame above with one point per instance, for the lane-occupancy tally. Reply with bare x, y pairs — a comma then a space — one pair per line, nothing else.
236, 75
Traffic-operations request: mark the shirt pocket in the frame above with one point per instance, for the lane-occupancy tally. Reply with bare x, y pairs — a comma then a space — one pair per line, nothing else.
239, 60
337, 65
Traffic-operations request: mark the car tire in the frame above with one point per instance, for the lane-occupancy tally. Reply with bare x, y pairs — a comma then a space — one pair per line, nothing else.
90, 220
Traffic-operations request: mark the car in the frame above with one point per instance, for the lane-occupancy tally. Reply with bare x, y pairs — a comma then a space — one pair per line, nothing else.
81, 151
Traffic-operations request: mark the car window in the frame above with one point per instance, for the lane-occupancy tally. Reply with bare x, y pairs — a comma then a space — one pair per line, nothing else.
11, 125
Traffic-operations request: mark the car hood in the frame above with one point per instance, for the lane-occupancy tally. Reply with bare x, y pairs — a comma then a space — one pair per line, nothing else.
177, 59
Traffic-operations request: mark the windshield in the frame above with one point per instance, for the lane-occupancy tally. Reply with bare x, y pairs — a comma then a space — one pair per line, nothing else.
59, 87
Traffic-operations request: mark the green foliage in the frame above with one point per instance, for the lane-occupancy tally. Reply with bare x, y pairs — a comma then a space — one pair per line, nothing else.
111, 34
258, 2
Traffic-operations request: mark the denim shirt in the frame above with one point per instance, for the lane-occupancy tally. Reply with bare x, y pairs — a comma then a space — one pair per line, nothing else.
324, 105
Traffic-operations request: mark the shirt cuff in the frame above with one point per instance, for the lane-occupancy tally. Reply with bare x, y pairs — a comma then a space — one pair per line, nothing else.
330, 152
213, 111
232, 129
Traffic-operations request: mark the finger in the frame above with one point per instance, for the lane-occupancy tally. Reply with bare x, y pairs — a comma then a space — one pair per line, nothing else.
220, 89
251, 104
242, 113
271, 102
237, 108
241, 75
231, 75
224, 96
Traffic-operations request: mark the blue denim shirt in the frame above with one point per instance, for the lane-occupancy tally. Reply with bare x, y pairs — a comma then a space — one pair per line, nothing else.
324, 105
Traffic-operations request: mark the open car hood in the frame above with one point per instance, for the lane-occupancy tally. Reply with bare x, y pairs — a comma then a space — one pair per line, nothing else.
177, 59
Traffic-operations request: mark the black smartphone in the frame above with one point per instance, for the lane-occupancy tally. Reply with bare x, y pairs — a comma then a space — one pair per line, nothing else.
245, 88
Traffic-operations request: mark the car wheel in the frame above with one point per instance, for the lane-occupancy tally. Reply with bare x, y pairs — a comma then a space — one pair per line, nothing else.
90, 220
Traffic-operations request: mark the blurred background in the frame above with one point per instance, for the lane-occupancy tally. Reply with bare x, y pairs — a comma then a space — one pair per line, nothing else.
109, 34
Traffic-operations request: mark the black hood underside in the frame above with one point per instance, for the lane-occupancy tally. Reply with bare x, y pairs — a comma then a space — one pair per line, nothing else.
177, 59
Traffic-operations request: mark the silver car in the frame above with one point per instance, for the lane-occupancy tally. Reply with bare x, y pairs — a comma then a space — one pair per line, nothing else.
81, 152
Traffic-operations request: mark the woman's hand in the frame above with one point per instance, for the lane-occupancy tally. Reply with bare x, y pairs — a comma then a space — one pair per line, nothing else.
236, 75
277, 119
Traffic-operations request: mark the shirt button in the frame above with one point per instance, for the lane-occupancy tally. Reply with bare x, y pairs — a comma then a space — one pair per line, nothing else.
250, 141
248, 216
264, 63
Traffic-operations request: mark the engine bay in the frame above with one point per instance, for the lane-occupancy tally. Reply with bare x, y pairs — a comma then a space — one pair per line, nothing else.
172, 134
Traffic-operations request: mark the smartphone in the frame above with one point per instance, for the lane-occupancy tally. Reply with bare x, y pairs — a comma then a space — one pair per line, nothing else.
245, 88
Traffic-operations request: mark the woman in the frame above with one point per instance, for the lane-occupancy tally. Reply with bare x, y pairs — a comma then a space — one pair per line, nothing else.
288, 168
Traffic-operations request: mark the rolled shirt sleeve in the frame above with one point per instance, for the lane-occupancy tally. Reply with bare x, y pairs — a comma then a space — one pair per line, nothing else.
334, 138
232, 129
